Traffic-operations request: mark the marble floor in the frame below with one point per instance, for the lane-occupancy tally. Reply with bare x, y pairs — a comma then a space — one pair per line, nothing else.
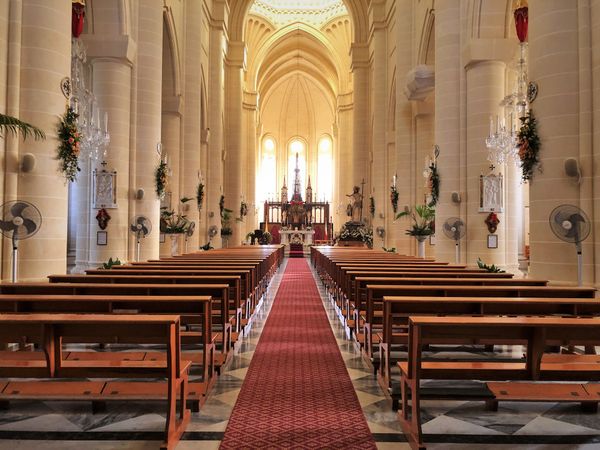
446, 424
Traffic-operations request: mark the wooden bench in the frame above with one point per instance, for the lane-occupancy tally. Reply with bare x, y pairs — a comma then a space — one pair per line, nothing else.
50, 330
195, 309
396, 311
236, 302
222, 319
372, 310
535, 333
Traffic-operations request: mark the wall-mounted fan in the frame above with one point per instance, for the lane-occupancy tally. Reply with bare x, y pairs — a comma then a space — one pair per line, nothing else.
141, 227
571, 224
19, 220
188, 234
455, 229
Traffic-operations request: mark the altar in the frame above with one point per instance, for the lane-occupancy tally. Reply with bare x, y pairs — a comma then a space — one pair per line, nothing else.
304, 237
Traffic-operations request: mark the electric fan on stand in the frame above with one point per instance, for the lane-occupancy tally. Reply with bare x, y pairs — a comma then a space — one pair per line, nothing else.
571, 224
141, 227
455, 229
20, 220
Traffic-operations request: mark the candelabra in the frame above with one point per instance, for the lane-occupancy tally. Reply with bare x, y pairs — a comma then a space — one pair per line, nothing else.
502, 141
94, 135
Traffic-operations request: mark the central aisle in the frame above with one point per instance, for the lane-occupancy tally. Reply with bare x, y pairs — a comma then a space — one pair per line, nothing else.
297, 392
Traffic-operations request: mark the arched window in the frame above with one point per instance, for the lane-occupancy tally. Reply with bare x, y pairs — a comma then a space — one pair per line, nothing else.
325, 169
268, 170
297, 147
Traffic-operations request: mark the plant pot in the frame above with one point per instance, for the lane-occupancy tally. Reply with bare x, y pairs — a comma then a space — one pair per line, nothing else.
174, 244
421, 246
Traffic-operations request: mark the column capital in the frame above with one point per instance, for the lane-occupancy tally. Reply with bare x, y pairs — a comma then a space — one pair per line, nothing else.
378, 16
478, 50
236, 54
250, 100
120, 48
219, 15
360, 55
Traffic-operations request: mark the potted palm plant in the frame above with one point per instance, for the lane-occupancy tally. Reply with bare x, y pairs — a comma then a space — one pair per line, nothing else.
422, 217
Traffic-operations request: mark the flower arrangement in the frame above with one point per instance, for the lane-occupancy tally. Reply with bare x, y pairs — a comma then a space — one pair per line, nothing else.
110, 263
422, 217
266, 238
394, 198
173, 223
529, 146
160, 179
225, 218
200, 195
69, 141
372, 206
356, 233
296, 208
492, 269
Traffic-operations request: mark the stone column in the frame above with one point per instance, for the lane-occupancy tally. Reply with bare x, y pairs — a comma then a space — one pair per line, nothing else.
110, 74
379, 180
343, 155
485, 90
595, 71
214, 169
404, 162
45, 61
251, 163
235, 145
361, 122
148, 120
190, 164
447, 117
561, 109
9, 145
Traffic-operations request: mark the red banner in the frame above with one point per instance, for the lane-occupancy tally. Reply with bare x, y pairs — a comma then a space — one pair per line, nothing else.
77, 16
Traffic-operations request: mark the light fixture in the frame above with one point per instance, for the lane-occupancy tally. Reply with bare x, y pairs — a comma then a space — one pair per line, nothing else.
502, 141
94, 133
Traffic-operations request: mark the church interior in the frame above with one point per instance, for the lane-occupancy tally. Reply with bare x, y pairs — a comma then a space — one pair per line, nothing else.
353, 224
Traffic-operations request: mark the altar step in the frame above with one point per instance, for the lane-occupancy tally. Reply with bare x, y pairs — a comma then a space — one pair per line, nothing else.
296, 251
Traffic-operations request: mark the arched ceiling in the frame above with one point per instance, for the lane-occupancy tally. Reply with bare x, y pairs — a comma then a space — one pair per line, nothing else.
312, 12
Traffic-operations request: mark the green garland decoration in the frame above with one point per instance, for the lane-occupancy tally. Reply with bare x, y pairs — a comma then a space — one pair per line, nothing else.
529, 146
221, 205
372, 206
243, 209
394, 195
69, 144
160, 179
434, 178
200, 195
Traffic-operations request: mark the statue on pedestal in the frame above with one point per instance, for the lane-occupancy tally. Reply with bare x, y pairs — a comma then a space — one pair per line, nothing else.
354, 209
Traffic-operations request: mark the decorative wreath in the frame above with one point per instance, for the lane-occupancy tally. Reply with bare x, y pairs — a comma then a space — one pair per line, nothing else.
221, 205
394, 198
69, 144
529, 146
160, 179
200, 195
372, 206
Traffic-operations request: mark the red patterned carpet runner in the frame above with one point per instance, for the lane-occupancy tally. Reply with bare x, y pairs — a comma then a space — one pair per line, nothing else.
297, 392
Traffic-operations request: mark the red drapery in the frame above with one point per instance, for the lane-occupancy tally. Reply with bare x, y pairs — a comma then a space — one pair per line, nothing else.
522, 22
77, 16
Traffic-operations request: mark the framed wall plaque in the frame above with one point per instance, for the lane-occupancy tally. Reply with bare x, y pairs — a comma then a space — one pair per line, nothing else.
101, 238
491, 193
104, 189
492, 241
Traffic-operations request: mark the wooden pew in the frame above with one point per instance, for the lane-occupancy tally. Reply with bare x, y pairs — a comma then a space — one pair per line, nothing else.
535, 333
196, 309
396, 311
236, 303
50, 330
372, 312
221, 317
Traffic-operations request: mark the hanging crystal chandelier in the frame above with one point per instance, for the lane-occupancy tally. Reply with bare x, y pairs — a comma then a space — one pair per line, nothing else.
502, 141
94, 133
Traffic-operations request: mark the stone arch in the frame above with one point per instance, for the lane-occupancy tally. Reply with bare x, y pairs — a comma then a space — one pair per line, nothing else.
392, 104
490, 20
172, 51
426, 42
358, 10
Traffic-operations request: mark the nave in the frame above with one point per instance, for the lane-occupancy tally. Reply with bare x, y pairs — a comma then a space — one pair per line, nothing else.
446, 424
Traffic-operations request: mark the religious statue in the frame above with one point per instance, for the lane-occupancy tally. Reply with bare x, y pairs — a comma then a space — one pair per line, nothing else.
355, 208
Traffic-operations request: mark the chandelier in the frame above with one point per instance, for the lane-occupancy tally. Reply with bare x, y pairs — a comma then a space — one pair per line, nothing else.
94, 133
502, 141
